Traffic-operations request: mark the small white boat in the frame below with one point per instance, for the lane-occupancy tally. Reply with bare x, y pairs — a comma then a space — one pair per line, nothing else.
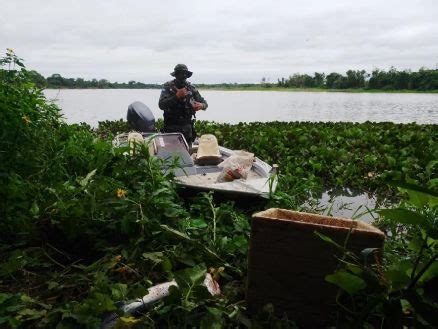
204, 166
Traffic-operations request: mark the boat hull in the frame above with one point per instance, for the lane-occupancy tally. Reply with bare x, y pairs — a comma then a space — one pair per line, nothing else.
192, 178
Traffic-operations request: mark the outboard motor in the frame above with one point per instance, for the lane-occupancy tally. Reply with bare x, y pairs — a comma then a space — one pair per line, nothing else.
140, 117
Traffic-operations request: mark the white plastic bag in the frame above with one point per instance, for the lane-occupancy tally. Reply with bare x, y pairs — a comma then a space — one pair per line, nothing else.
236, 166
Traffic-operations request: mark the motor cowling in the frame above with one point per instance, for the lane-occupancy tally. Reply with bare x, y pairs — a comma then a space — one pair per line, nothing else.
140, 117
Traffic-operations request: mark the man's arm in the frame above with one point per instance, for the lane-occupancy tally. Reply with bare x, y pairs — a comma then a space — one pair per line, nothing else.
167, 98
197, 97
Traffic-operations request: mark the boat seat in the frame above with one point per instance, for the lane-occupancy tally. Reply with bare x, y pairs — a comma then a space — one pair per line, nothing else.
208, 151
135, 138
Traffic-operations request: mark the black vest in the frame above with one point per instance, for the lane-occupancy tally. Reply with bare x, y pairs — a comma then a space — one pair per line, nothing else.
181, 112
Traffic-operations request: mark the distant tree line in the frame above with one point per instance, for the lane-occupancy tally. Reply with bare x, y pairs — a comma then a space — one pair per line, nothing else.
424, 79
58, 81
234, 85
392, 79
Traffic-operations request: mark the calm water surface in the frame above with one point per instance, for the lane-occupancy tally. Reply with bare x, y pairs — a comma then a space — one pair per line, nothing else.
347, 203
94, 105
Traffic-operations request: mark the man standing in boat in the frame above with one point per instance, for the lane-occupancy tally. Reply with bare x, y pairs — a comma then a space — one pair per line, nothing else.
180, 100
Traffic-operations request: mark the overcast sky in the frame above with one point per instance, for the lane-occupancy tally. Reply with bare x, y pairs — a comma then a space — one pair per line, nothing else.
221, 41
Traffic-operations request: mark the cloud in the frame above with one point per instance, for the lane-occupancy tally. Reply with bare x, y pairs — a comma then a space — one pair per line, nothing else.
219, 40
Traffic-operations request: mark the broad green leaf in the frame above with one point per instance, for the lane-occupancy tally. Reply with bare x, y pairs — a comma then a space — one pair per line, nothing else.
431, 272
431, 166
197, 274
406, 266
103, 303
4, 297
407, 308
391, 161
27, 299
119, 291
354, 269
431, 241
155, 256
196, 223
163, 190
398, 278
433, 183
31, 314
420, 199
166, 265
190, 276
346, 281
415, 243
418, 196
404, 216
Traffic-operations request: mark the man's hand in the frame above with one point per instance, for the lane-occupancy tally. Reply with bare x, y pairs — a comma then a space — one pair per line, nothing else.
181, 93
198, 106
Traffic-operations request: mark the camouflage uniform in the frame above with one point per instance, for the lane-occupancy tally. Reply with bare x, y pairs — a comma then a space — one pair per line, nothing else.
178, 113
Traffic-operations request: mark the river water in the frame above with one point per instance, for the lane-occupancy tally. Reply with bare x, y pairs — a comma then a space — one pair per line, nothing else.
94, 105
346, 203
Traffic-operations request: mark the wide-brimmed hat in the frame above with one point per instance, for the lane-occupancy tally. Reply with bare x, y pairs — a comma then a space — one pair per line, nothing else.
181, 67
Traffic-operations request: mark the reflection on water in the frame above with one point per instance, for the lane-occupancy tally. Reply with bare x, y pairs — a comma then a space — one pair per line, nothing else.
347, 203
93, 105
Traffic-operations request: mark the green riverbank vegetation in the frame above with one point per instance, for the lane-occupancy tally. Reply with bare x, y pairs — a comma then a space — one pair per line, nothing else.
392, 80
84, 226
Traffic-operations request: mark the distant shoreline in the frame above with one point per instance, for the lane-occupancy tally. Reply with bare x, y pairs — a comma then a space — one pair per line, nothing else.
237, 88
401, 91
